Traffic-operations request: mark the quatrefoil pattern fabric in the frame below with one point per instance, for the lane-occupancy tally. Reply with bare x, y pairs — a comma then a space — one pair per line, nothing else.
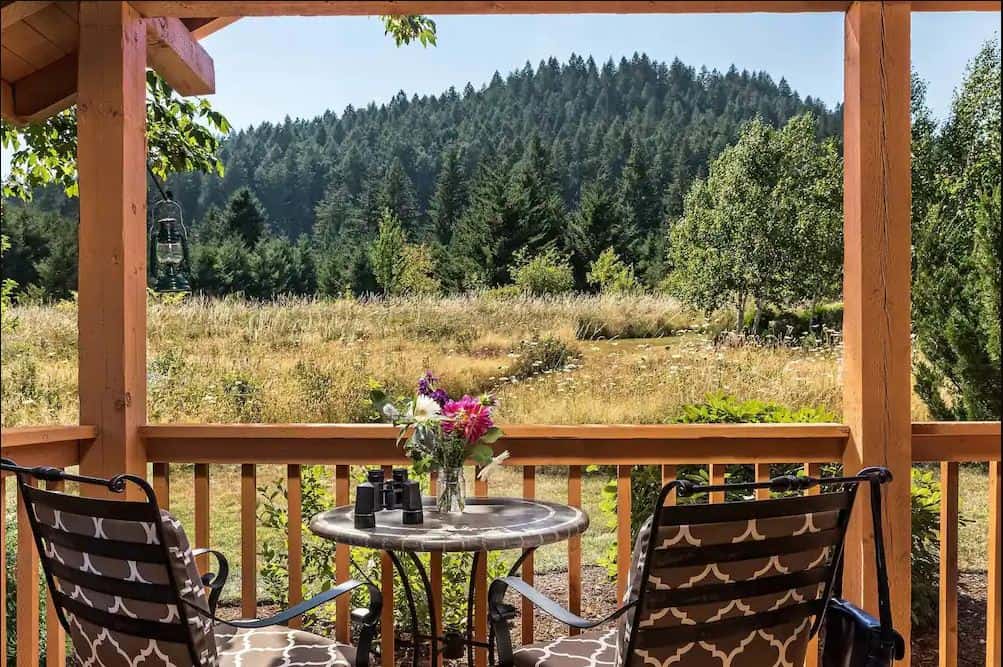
106, 646
590, 649
782, 644
278, 646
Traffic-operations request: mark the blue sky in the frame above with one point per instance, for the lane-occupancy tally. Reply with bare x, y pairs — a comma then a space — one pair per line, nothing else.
267, 68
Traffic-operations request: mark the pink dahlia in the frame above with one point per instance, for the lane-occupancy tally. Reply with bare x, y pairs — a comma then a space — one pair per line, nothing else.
469, 416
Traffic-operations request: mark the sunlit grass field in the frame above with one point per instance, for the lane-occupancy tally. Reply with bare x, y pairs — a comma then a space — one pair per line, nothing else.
313, 361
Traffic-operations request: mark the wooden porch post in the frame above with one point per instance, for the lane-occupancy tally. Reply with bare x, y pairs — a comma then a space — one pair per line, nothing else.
877, 198
111, 157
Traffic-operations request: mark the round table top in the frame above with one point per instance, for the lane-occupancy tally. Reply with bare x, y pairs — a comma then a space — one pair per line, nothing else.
487, 524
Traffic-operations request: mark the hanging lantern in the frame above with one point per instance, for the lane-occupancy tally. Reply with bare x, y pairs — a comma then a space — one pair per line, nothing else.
169, 247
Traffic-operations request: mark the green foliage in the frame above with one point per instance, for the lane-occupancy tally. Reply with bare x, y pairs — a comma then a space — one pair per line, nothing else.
182, 135
386, 253
925, 548
611, 275
956, 246
7, 321
765, 225
545, 274
417, 271
410, 27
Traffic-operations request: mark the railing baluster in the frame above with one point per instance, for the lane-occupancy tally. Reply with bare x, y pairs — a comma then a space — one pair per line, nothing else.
342, 628
294, 488
669, 474
387, 587
717, 476
55, 636
435, 569
623, 544
994, 650
948, 635
762, 475
27, 590
3, 564
162, 484
811, 653
575, 546
202, 514
481, 591
248, 540
528, 491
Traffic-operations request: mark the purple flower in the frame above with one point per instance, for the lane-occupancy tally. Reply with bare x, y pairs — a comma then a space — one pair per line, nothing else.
440, 396
426, 384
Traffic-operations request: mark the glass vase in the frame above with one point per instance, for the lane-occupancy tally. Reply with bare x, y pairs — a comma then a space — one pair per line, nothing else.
451, 497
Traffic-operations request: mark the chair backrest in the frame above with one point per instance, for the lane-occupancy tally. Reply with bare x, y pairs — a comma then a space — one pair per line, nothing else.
121, 573
744, 584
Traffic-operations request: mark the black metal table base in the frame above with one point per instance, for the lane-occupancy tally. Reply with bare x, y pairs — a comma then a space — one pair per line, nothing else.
452, 641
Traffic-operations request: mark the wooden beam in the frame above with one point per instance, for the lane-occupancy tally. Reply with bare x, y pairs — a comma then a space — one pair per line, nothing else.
202, 28
111, 159
956, 5
178, 57
876, 328
12, 12
197, 8
7, 104
47, 91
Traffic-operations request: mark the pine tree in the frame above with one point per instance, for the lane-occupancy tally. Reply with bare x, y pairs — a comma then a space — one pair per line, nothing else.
595, 226
387, 251
245, 217
397, 196
641, 204
450, 198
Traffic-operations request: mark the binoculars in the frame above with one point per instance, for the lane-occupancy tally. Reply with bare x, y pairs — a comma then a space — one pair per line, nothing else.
378, 493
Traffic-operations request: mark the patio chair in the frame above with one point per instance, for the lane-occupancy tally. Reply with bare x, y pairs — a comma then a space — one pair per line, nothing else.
126, 588
739, 584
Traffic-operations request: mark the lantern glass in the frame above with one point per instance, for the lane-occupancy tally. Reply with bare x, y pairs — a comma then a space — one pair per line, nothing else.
169, 250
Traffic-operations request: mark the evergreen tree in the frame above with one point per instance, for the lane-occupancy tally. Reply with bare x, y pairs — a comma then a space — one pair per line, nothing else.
244, 217
474, 246
386, 253
536, 207
397, 196
450, 198
956, 245
595, 226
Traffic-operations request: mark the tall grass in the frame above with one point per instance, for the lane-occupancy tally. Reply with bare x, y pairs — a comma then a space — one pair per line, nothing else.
626, 359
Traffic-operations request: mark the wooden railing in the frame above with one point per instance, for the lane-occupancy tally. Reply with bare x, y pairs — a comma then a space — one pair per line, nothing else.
295, 445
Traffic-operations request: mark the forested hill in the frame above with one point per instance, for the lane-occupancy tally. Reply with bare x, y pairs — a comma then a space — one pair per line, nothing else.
590, 118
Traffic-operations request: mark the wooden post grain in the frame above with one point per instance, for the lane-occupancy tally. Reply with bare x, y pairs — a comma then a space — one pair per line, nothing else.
294, 495
575, 546
202, 522
342, 492
527, 615
111, 313
948, 585
994, 561
27, 623
876, 367
248, 541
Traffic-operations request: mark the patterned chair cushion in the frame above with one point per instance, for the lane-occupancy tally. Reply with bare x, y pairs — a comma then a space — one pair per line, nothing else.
279, 645
634, 581
590, 649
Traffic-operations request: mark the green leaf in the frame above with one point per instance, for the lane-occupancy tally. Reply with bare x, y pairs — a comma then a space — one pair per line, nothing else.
491, 436
481, 454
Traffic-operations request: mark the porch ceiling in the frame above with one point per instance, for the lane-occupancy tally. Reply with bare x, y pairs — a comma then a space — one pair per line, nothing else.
40, 40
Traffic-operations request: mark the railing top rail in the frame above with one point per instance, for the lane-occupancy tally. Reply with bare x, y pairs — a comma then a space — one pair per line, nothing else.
22, 436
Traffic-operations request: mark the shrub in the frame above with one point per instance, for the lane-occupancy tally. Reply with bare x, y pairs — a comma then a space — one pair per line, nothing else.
612, 275
417, 271
540, 355
545, 274
797, 323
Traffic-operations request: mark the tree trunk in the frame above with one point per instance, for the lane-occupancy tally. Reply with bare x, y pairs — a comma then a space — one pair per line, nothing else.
758, 316
740, 313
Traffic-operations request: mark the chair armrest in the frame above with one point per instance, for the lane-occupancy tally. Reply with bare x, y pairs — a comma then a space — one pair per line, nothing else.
214, 581
375, 605
544, 604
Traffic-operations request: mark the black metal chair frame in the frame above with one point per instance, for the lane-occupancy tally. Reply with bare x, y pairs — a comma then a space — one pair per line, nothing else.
367, 619
501, 613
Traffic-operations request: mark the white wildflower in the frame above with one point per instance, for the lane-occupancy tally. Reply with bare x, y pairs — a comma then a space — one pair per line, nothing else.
495, 462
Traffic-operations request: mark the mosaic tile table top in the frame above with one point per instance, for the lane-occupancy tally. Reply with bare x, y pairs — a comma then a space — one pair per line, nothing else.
487, 524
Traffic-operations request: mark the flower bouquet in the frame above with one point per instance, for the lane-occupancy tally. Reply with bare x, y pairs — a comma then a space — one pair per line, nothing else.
439, 433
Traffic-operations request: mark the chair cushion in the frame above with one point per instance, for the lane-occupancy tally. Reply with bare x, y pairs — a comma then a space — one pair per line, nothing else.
590, 649
278, 645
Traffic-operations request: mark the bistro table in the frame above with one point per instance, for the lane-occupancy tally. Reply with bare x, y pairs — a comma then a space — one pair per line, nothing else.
487, 524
